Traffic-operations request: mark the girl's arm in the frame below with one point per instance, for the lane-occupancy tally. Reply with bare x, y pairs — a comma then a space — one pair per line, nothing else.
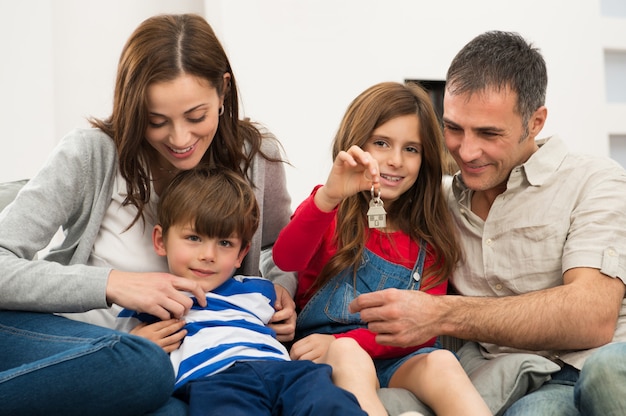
300, 240
353, 171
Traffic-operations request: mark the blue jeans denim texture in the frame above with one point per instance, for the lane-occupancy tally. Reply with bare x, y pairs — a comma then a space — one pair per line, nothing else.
267, 387
51, 365
597, 390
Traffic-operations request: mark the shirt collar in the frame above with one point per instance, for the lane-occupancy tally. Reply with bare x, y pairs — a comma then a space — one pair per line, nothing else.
545, 161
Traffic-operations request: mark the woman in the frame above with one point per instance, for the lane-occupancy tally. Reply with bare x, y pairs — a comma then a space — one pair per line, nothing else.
175, 107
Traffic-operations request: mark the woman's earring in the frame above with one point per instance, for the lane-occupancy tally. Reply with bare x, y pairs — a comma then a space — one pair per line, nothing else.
221, 110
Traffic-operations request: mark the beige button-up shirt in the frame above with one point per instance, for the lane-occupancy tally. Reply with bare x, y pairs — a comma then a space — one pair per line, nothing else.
559, 211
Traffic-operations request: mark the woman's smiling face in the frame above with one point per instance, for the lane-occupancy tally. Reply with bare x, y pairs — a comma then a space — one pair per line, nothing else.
183, 115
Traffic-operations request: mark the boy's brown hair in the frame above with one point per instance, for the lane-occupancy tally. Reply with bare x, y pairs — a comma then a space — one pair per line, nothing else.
218, 204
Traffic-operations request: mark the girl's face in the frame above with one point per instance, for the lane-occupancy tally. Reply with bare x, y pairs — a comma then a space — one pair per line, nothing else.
183, 115
397, 148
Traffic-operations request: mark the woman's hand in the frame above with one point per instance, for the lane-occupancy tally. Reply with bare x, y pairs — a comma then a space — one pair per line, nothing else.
284, 320
312, 347
167, 334
353, 171
157, 294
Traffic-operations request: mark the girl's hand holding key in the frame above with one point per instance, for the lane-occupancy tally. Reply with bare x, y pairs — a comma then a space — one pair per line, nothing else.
353, 171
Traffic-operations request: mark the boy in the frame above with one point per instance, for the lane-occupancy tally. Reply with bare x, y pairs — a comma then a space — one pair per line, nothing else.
230, 361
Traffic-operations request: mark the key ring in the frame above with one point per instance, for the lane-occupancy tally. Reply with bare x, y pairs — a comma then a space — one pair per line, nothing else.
377, 197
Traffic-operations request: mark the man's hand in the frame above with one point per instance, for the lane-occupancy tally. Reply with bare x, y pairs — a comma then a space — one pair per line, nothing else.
584, 312
400, 317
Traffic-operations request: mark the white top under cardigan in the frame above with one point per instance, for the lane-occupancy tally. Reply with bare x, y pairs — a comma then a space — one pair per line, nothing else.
114, 237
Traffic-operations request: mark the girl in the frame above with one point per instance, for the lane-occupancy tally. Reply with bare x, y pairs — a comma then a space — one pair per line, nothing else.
379, 222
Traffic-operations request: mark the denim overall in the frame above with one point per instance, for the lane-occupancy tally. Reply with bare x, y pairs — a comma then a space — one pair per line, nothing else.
327, 311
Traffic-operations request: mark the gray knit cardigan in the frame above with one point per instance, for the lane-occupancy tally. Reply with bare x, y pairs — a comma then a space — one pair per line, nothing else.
73, 191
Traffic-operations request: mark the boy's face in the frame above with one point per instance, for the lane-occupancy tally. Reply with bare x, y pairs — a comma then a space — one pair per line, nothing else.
208, 261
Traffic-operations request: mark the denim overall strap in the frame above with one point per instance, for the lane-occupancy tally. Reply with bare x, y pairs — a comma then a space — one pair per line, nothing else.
418, 268
327, 311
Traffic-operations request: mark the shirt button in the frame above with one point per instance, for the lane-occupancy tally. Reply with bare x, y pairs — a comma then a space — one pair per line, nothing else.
612, 253
498, 286
489, 242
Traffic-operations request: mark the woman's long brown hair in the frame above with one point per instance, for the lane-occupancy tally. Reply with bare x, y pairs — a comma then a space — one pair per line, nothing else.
162, 48
421, 212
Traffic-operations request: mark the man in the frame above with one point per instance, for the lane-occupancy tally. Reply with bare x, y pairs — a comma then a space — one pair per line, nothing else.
544, 239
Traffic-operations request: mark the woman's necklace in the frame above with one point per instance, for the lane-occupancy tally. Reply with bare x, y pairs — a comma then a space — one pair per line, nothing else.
170, 171
162, 176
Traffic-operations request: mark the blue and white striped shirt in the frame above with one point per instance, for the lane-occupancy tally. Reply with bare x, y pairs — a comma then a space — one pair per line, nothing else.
231, 328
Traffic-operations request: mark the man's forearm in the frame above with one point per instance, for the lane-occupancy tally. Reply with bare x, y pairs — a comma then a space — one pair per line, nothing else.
579, 315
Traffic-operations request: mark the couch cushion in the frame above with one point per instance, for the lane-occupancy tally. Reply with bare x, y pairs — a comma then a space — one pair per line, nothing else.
500, 381
504, 379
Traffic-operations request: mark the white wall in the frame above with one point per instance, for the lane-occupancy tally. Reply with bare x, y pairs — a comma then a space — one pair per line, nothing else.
57, 67
26, 88
298, 63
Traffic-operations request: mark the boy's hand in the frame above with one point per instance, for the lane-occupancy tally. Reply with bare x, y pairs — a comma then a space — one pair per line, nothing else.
167, 334
312, 347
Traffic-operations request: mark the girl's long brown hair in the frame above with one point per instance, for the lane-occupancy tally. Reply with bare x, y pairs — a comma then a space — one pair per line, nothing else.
162, 48
421, 212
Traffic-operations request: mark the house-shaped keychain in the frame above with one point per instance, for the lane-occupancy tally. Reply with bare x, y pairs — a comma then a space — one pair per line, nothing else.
376, 214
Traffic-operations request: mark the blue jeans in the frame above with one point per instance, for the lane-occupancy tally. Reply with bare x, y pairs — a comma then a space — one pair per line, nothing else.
596, 390
268, 387
51, 365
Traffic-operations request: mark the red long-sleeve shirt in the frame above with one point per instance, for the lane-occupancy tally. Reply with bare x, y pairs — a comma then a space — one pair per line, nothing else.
306, 244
